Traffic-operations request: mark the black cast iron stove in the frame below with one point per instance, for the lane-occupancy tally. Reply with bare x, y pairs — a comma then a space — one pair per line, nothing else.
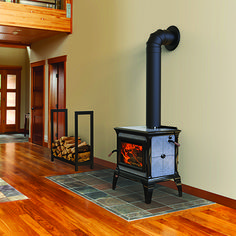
149, 154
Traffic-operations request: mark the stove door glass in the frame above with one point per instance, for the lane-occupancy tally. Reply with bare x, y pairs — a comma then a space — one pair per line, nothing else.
132, 154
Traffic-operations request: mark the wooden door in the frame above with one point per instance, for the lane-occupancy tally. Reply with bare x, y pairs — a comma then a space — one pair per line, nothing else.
37, 105
10, 99
57, 94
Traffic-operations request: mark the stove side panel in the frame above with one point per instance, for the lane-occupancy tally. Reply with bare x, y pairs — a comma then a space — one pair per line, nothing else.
162, 156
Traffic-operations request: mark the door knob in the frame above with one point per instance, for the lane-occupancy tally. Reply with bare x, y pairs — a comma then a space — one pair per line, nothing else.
32, 108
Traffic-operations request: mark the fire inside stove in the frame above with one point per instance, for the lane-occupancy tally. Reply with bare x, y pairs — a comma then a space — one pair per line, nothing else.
132, 154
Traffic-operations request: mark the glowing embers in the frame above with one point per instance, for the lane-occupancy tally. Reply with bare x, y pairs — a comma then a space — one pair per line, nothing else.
132, 154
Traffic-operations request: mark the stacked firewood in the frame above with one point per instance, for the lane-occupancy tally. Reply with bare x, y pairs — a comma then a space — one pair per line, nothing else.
65, 148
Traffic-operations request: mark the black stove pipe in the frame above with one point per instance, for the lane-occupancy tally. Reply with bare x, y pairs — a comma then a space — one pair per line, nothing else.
170, 38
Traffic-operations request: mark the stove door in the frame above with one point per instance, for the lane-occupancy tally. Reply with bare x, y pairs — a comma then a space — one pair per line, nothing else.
162, 156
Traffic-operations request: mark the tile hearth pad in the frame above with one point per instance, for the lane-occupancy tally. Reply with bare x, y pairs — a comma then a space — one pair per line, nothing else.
127, 201
8, 193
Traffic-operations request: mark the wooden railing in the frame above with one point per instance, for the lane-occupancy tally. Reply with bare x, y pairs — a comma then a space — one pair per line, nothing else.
28, 16
56, 4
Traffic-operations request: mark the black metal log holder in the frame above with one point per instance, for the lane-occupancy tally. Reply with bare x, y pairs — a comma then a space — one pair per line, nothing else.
77, 113
90, 161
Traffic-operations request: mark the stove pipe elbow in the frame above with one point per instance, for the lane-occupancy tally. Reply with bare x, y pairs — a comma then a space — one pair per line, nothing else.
170, 38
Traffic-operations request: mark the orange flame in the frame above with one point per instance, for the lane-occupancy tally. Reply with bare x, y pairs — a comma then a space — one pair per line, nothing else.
130, 153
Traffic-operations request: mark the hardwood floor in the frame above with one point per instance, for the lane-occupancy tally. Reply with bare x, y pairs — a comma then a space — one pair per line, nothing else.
52, 210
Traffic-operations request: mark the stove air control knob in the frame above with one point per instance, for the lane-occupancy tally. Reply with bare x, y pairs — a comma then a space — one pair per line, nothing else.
163, 156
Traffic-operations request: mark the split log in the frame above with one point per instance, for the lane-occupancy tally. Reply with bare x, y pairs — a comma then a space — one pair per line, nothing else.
72, 141
65, 148
56, 143
64, 152
85, 156
69, 145
83, 147
64, 138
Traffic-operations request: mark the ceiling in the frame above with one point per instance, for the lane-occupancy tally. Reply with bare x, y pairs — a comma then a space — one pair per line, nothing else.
20, 36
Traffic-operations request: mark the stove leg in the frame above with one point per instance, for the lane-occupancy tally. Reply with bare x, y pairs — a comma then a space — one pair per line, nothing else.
115, 178
148, 189
179, 185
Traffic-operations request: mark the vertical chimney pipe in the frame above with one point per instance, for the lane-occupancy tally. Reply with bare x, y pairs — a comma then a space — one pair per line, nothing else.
170, 38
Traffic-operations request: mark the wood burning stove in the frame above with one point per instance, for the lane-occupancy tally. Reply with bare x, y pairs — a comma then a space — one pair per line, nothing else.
149, 154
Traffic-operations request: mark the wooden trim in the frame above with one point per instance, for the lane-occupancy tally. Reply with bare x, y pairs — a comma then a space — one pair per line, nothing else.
8, 45
57, 59
52, 61
49, 106
18, 108
31, 101
38, 63
30, 139
203, 194
45, 144
229, 202
6, 67
32, 65
44, 86
105, 163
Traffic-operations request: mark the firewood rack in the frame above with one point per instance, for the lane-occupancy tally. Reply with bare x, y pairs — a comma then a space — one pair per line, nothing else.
76, 163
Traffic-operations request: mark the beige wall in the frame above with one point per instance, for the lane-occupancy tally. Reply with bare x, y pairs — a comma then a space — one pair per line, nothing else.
106, 73
18, 57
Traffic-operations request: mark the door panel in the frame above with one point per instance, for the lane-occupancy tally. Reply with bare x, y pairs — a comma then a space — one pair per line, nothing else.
57, 97
37, 105
9, 100
60, 99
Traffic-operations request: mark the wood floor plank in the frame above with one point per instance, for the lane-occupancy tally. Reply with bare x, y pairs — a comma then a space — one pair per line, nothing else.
53, 210
180, 224
195, 227
34, 225
214, 228
165, 229
223, 226
224, 214
148, 228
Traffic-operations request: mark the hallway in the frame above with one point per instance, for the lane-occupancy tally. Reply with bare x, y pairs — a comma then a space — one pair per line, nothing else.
13, 138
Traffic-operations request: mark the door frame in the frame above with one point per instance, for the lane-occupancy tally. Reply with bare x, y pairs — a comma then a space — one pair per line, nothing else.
17, 70
32, 65
61, 59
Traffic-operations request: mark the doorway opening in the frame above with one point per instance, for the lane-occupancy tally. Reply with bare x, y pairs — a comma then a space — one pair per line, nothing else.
10, 81
37, 102
56, 95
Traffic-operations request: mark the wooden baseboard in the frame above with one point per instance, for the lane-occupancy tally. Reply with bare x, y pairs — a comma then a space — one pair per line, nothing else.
229, 202
102, 162
30, 140
45, 144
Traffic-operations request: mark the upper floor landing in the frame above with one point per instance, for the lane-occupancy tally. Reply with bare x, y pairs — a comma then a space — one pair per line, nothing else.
22, 24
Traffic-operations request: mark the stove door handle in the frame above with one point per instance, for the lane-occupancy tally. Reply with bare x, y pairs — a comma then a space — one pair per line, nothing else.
175, 143
116, 150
